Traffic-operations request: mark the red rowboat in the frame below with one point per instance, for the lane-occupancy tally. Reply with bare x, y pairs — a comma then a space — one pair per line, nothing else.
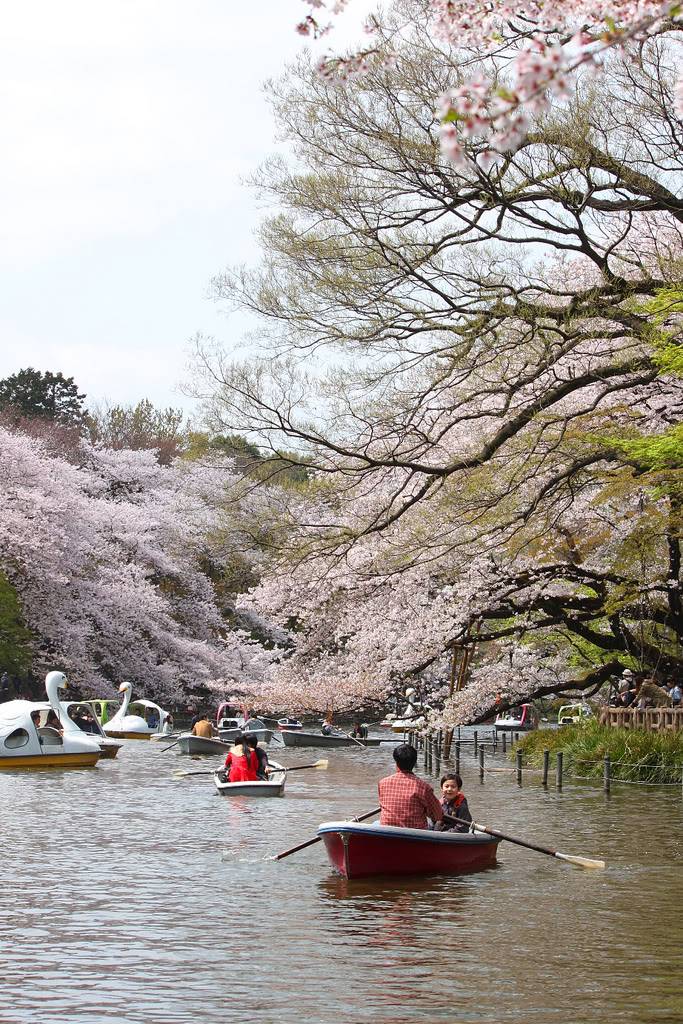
356, 850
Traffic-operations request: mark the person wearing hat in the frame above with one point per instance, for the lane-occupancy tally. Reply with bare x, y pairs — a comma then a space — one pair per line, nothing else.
627, 692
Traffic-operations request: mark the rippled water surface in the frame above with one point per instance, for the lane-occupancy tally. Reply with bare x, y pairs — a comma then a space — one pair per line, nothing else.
130, 895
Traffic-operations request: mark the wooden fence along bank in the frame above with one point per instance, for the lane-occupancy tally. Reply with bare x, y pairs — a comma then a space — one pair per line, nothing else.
435, 752
650, 719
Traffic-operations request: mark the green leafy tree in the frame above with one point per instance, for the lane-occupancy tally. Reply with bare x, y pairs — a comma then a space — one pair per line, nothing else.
15, 652
32, 393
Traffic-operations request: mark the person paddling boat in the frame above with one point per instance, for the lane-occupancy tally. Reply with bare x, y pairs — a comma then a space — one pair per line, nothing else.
406, 801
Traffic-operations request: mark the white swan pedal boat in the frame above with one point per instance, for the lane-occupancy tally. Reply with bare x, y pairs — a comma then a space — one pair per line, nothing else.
23, 744
79, 719
274, 785
123, 726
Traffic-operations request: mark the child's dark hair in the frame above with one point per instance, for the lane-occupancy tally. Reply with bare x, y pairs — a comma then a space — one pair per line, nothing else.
452, 777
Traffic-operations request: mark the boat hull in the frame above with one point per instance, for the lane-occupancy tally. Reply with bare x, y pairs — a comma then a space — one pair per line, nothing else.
297, 738
117, 734
513, 727
262, 735
274, 786
56, 760
359, 851
201, 745
109, 750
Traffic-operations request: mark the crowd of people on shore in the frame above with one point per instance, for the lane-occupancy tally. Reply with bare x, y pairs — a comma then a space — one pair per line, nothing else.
638, 690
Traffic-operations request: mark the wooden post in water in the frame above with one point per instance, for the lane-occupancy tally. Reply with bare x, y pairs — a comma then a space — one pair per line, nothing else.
438, 760
505, 742
447, 743
519, 767
558, 769
481, 764
457, 757
476, 741
546, 765
607, 773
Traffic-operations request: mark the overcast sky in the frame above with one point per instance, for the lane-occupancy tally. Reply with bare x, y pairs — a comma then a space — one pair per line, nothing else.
126, 128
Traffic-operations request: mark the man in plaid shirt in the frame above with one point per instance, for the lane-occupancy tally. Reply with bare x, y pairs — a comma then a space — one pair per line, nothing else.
405, 800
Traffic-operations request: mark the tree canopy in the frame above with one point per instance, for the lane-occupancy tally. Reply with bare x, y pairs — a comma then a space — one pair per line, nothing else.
46, 395
480, 364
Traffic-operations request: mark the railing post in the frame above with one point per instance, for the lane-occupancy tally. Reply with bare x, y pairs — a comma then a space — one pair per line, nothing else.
546, 766
481, 764
607, 773
558, 769
519, 767
505, 742
476, 742
457, 757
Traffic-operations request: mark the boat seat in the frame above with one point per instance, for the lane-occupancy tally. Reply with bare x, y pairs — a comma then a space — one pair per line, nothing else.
49, 737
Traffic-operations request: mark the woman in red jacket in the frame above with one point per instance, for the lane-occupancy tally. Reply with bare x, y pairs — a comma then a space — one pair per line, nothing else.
241, 764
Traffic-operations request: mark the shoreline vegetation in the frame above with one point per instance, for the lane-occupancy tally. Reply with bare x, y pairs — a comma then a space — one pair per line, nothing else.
635, 755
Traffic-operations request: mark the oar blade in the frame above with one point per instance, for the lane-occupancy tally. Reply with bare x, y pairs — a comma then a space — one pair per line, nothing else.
581, 862
321, 764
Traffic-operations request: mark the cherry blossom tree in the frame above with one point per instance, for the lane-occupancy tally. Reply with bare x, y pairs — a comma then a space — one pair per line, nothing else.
512, 58
505, 338
118, 564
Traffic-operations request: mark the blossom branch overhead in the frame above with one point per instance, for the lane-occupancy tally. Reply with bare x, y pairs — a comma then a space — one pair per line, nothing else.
545, 45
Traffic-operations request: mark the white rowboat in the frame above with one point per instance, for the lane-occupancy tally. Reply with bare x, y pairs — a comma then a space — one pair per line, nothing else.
187, 743
273, 786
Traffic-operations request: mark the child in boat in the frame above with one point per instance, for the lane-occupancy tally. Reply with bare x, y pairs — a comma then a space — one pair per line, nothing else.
453, 803
241, 764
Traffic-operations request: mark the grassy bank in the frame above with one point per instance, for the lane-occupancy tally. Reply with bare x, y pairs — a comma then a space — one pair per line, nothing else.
636, 755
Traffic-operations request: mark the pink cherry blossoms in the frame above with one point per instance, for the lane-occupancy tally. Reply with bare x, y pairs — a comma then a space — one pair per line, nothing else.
530, 50
112, 561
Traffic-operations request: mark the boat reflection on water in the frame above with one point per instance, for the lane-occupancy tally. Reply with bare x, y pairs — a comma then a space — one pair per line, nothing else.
394, 889
393, 922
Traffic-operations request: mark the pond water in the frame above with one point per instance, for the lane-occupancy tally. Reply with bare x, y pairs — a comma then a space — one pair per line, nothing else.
130, 895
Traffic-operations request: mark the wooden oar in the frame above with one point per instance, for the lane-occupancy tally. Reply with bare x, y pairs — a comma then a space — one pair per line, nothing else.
317, 839
170, 745
581, 862
321, 764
